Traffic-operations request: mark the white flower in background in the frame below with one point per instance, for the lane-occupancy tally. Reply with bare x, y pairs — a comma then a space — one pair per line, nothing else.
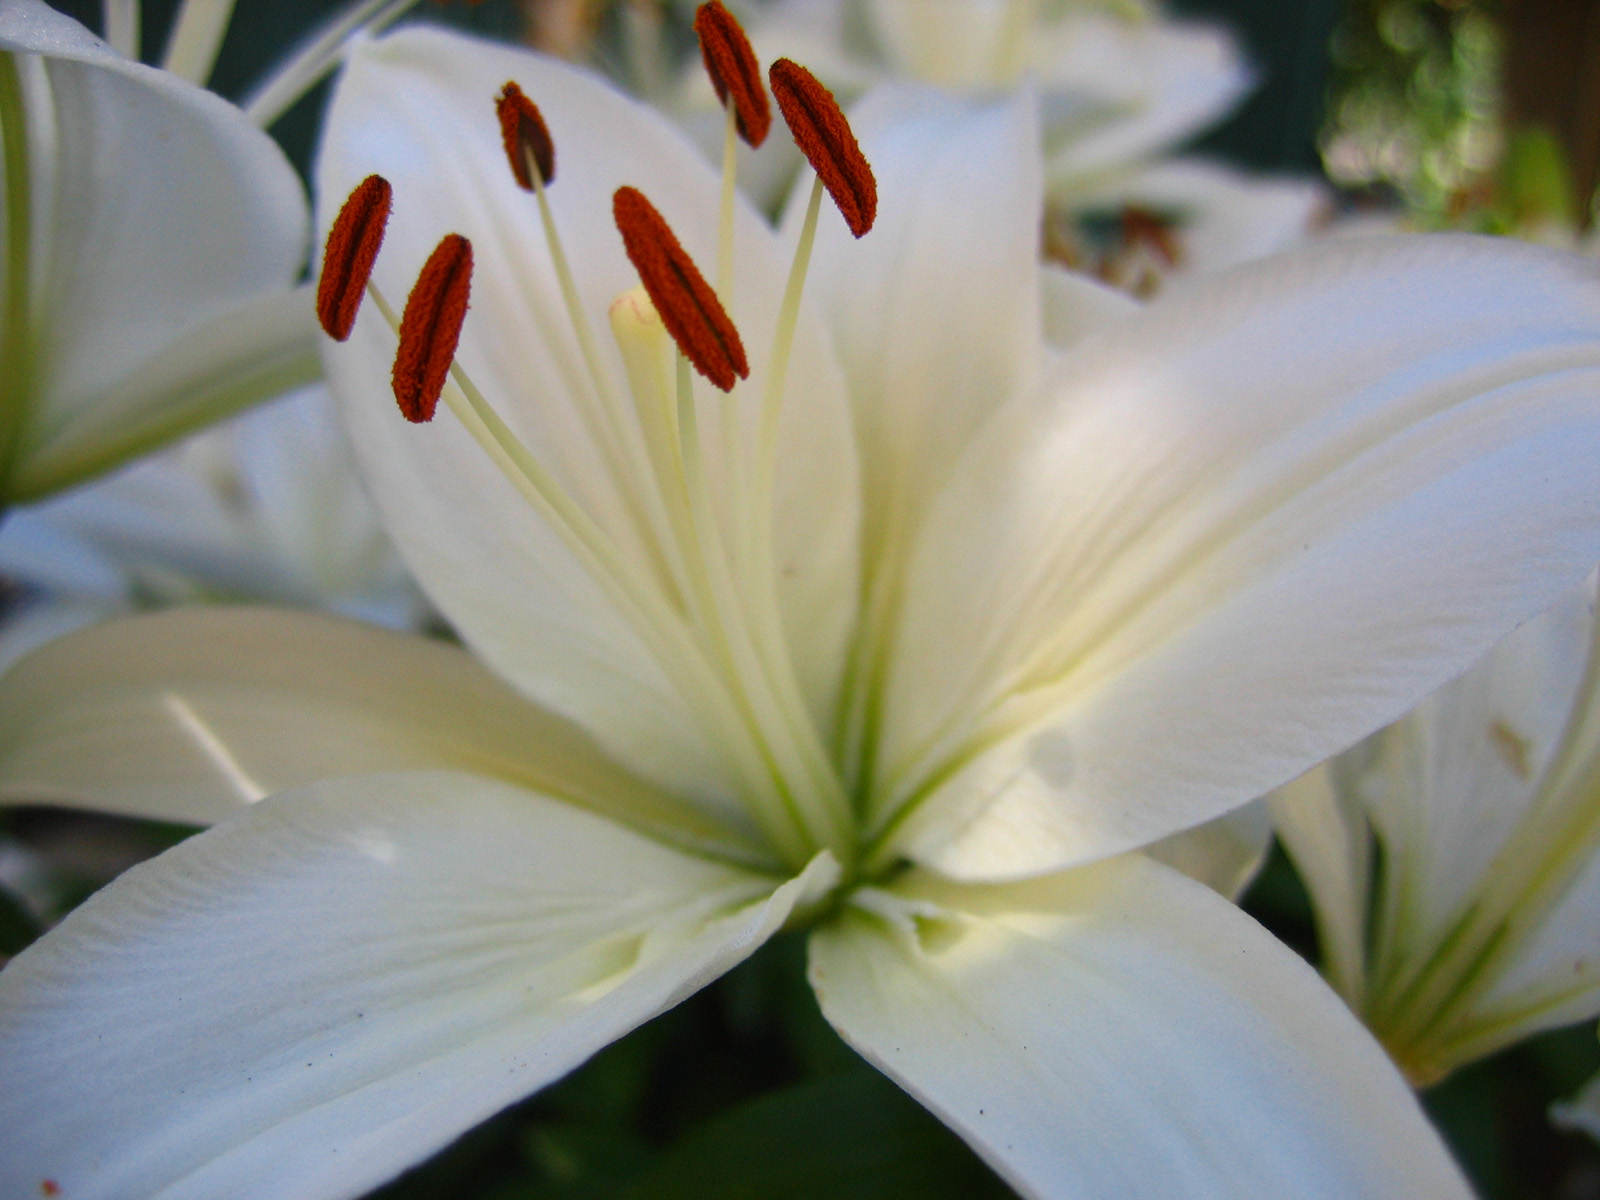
153, 236
914, 636
1118, 82
1180, 216
1453, 859
267, 507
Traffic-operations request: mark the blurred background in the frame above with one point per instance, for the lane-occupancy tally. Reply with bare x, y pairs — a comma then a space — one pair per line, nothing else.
1470, 114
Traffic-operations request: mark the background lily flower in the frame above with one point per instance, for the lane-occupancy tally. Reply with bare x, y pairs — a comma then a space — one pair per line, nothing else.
153, 236
265, 508
1119, 82
1181, 215
1475, 927
998, 617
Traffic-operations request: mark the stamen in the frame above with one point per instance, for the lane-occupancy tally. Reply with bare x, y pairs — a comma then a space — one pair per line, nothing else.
825, 138
351, 250
734, 71
688, 307
430, 328
527, 138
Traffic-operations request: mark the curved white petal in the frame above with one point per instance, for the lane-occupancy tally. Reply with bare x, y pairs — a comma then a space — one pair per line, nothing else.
218, 366
419, 108
1120, 1031
1116, 91
1225, 854
190, 714
1236, 532
935, 312
156, 206
1073, 305
334, 984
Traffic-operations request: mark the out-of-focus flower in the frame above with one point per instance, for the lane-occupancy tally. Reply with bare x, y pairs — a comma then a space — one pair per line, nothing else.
1118, 82
1453, 859
916, 637
1181, 216
153, 237
267, 508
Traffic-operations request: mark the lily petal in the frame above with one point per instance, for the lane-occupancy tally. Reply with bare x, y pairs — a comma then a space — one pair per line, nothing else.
314, 995
1118, 91
1196, 580
936, 312
263, 347
191, 714
1327, 838
516, 592
1074, 305
1067, 1026
1225, 854
166, 207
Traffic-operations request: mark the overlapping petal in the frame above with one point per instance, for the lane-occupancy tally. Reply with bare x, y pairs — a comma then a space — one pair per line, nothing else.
1168, 583
517, 592
1118, 1030
304, 1000
157, 210
191, 714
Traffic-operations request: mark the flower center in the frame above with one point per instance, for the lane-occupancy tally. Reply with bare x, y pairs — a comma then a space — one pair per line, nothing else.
704, 597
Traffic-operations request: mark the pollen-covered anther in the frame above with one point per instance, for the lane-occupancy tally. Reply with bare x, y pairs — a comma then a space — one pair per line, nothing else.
689, 308
430, 327
526, 137
351, 250
826, 139
734, 71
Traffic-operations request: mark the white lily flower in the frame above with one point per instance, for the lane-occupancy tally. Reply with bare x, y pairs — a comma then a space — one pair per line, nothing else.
1118, 82
267, 507
153, 237
914, 640
1483, 905
1139, 229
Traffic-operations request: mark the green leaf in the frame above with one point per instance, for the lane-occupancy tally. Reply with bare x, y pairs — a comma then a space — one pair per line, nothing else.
851, 1136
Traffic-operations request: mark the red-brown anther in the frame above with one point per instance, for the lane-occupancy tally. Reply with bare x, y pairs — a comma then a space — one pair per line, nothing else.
431, 326
734, 71
825, 138
351, 250
526, 136
689, 308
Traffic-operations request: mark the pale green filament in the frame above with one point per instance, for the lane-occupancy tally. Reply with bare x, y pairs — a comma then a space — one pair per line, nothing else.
621, 454
120, 19
671, 643
196, 38
730, 166
315, 57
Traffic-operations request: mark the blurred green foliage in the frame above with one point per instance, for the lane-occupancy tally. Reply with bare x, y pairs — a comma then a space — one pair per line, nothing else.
1415, 100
